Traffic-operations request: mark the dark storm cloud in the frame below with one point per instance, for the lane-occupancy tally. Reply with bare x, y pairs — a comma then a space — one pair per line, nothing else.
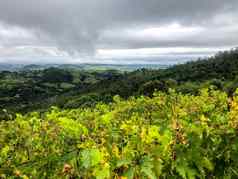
80, 26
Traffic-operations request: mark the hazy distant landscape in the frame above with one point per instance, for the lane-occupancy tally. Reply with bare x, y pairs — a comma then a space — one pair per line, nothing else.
100, 67
151, 63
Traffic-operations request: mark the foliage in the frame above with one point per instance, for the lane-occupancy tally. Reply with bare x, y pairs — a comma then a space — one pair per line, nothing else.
89, 100
168, 136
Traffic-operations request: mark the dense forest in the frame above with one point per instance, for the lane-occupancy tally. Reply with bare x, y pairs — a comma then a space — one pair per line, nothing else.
178, 122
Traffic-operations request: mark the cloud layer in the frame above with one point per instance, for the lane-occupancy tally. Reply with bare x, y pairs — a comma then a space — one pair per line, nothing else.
80, 30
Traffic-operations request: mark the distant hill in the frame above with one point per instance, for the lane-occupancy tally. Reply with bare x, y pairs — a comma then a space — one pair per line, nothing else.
87, 67
10, 67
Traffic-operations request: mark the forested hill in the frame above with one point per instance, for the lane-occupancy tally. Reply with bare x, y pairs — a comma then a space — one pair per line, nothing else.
71, 88
223, 65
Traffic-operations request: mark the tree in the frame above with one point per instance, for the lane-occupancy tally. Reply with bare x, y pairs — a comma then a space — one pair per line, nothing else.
55, 75
149, 87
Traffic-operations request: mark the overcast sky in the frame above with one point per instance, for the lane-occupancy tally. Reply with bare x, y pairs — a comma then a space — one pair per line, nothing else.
115, 31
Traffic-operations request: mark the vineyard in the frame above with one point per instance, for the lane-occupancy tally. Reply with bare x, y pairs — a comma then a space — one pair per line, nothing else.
170, 135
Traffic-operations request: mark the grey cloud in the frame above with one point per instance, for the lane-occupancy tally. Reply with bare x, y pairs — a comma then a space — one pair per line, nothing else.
77, 26
209, 37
